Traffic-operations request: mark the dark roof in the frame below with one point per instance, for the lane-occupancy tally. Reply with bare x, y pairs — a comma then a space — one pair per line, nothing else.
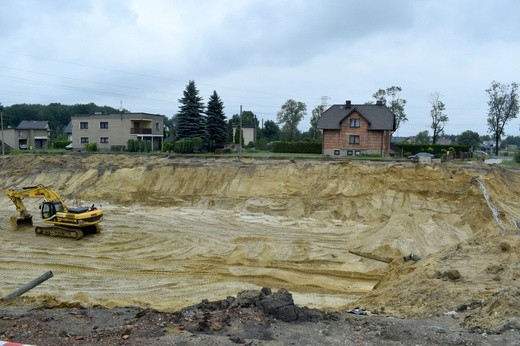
397, 139
378, 116
32, 125
68, 128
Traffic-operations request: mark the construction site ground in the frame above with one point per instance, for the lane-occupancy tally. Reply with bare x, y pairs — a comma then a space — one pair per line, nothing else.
428, 253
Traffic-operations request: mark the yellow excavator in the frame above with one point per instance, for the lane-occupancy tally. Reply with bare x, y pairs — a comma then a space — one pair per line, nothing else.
66, 222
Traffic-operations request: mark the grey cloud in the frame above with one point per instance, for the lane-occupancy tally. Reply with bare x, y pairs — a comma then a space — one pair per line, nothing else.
281, 34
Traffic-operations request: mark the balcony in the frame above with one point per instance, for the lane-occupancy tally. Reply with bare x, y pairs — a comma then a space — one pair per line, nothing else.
140, 131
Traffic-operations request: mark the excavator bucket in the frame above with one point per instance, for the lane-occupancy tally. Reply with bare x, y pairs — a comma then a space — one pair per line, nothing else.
17, 222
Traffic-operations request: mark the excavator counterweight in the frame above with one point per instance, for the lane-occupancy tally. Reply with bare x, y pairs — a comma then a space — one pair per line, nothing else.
65, 222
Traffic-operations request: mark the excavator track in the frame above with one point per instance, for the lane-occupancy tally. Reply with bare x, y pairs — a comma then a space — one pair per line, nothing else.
63, 232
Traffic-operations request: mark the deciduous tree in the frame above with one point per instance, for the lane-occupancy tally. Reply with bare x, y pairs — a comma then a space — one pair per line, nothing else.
469, 138
271, 131
316, 115
290, 115
422, 138
390, 97
503, 106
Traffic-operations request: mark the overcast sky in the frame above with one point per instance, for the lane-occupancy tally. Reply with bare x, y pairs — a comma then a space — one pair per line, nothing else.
259, 53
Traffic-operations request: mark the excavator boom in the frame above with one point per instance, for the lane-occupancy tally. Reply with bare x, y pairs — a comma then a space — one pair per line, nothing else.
66, 222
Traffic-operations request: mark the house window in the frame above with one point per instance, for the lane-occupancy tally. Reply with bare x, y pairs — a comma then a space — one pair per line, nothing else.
353, 139
103, 140
83, 125
157, 126
84, 140
354, 122
103, 125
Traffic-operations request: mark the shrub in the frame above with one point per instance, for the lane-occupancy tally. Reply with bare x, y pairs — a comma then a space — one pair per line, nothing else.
60, 144
197, 144
168, 146
429, 148
183, 146
141, 146
261, 144
91, 147
132, 145
516, 158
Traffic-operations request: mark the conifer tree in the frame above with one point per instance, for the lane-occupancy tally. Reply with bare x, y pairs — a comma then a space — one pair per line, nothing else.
191, 121
216, 121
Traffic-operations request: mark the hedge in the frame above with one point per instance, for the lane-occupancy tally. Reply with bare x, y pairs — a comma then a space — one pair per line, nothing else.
438, 149
313, 147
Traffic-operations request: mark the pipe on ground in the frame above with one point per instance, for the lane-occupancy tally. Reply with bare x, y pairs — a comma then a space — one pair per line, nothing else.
29, 286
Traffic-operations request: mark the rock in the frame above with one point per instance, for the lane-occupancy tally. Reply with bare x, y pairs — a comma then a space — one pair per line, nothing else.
248, 298
513, 324
470, 305
411, 257
505, 247
280, 305
453, 274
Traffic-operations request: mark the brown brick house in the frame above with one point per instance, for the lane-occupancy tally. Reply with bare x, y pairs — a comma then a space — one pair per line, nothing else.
350, 130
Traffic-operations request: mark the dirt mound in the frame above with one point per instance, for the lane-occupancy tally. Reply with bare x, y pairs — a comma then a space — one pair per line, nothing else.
179, 230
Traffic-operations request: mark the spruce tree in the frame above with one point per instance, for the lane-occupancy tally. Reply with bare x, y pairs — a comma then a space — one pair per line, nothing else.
216, 121
191, 121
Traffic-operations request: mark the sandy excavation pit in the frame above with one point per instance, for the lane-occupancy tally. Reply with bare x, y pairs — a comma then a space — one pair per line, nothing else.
177, 231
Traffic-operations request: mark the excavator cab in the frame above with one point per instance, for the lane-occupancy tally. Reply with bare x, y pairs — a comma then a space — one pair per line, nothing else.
49, 209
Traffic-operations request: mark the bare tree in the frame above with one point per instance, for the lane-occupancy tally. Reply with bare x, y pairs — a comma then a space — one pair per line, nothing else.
503, 106
439, 119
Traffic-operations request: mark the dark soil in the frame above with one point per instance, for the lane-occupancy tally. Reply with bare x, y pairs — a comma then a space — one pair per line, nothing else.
252, 318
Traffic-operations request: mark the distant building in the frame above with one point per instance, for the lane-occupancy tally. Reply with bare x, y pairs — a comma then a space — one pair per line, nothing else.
488, 145
397, 140
248, 132
350, 129
29, 134
112, 131
444, 141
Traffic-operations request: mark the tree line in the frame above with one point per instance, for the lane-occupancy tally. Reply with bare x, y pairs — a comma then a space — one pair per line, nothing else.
57, 114
503, 107
209, 126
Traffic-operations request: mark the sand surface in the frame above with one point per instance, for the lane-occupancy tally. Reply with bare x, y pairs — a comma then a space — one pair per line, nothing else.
180, 230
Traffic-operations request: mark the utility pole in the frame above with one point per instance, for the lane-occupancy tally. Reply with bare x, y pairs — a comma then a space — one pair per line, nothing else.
240, 132
2, 126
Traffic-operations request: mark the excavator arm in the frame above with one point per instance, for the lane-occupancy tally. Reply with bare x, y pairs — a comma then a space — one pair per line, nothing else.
38, 191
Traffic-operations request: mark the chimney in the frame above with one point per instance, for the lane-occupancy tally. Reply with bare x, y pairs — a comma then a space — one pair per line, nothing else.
348, 103
379, 103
